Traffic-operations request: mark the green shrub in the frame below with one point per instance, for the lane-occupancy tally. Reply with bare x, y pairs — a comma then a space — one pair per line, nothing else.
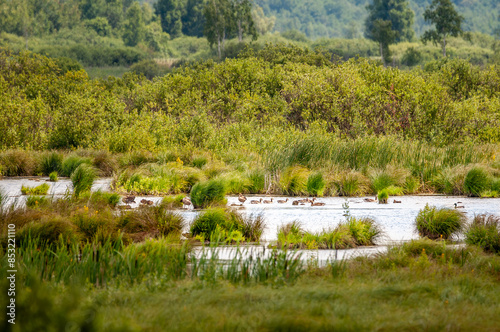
383, 196
51, 162
211, 192
53, 177
71, 163
484, 231
83, 178
42, 189
435, 223
316, 184
476, 181
37, 201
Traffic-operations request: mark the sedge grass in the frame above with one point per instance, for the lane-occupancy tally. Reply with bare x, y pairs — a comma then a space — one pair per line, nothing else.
476, 181
211, 192
484, 231
83, 178
435, 223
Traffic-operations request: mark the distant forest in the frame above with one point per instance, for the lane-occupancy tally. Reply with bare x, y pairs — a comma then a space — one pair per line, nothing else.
345, 18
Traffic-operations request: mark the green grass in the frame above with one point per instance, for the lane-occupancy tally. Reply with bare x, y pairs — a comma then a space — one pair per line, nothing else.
83, 178
316, 184
211, 192
51, 162
435, 223
294, 180
484, 232
42, 189
476, 181
53, 176
37, 201
71, 163
383, 196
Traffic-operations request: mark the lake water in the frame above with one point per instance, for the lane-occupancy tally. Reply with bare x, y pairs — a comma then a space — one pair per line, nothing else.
395, 219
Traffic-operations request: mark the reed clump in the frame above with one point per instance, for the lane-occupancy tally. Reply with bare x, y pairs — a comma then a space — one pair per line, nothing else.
435, 223
83, 178
476, 182
484, 232
71, 163
51, 162
42, 189
208, 193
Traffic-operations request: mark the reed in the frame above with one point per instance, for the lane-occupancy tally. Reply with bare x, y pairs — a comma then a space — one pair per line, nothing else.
211, 192
83, 178
316, 184
476, 182
484, 232
51, 162
71, 163
435, 223
17, 163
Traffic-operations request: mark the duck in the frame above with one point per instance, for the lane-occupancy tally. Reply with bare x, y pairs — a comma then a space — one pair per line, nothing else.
186, 201
394, 201
242, 198
268, 202
295, 203
128, 199
281, 201
317, 204
255, 201
146, 202
370, 200
234, 204
459, 206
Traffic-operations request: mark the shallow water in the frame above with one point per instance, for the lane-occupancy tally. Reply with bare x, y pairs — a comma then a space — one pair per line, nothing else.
396, 219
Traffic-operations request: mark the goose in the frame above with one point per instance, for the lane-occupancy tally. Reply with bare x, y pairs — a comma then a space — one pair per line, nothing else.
146, 202
394, 201
295, 203
128, 199
234, 204
317, 204
281, 201
186, 201
256, 202
459, 206
370, 200
268, 202
242, 198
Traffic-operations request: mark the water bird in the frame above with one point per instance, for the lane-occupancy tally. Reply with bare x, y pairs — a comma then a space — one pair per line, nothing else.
186, 201
281, 201
394, 201
317, 204
295, 203
370, 200
146, 202
256, 202
459, 206
268, 202
128, 199
242, 198
234, 204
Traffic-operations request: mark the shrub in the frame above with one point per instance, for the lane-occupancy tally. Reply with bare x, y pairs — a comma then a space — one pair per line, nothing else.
71, 163
383, 196
484, 231
53, 177
476, 181
51, 162
435, 223
42, 189
315, 184
83, 178
211, 192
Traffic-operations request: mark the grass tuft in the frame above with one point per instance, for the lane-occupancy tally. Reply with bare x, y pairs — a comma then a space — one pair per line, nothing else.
435, 223
316, 184
383, 196
51, 162
42, 189
83, 178
53, 176
71, 163
208, 193
484, 232
476, 181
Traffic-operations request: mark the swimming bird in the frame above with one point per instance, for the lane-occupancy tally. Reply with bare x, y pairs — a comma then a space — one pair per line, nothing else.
128, 199
394, 201
295, 202
186, 201
268, 202
234, 204
459, 206
256, 202
317, 204
146, 202
281, 201
370, 200
242, 198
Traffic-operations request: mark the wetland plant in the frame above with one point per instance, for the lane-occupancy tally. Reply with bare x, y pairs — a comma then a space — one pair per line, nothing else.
71, 163
53, 176
83, 178
294, 180
42, 189
316, 184
435, 223
208, 193
383, 196
484, 232
476, 181
51, 162
37, 201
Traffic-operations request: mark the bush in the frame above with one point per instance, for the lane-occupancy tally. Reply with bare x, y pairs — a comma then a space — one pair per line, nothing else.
51, 162
484, 231
71, 163
211, 192
315, 184
42, 189
53, 177
435, 223
83, 178
476, 181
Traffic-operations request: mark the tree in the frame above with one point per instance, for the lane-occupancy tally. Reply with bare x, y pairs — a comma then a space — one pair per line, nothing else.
134, 25
243, 17
218, 22
389, 21
447, 22
193, 20
170, 13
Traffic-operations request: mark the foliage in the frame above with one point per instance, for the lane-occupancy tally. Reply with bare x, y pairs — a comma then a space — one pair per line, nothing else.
211, 192
476, 182
53, 177
316, 184
42, 189
435, 223
83, 178
484, 231
383, 196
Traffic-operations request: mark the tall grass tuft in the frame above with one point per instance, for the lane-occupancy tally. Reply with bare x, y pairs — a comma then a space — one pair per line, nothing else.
365, 231
37, 201
211, 192
484, 231
351, 183
71, 163
257, 181
51, 162
476, 181
17, 163
316, 184
383, 196
53, 177
83, 178
42, 189
435, 223
48, 232
293, 180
